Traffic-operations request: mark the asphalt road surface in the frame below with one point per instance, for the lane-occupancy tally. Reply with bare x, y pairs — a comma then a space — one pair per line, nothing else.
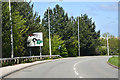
80, 67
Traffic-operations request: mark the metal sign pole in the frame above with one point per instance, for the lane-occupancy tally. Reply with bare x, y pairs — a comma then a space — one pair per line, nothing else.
30, 51
40, 52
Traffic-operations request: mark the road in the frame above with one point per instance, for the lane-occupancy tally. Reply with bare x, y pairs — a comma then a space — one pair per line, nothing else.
80, 67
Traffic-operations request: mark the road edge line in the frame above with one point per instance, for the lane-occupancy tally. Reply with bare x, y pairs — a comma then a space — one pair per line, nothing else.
45, 61
2, 77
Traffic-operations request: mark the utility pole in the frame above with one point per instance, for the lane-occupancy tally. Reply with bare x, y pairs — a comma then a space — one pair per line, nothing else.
49, 32
78, 39
107, 46
12, 52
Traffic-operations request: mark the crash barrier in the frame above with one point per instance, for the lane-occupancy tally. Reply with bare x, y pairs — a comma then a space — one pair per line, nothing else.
18, 60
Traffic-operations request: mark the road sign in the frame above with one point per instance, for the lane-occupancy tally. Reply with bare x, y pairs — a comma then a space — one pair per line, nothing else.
36, 39
59, 47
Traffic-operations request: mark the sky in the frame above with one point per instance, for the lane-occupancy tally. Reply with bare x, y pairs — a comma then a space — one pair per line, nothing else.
104, 14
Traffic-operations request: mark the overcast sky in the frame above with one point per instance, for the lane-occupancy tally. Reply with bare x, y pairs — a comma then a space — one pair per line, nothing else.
104, 14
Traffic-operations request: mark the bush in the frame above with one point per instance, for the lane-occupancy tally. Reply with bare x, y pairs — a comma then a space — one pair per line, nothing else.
101, 50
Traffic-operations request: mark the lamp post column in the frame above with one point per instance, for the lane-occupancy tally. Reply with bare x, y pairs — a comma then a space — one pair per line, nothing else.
12, 52
49, 32
78, 39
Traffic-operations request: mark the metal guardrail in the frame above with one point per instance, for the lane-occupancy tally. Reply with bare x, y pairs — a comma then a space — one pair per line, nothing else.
18, 60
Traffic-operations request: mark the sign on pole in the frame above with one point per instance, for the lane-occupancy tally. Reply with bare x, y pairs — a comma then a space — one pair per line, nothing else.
36, 39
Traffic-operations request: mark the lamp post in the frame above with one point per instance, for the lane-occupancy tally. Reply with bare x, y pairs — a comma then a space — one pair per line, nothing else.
78, 39
49, 32
49, 28
107, 46
12, 52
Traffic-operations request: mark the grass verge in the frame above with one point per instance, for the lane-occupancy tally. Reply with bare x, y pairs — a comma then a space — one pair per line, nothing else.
114, 61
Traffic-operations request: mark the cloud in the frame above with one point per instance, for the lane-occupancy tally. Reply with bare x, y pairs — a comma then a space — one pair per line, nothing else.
91, 9
112, 22
111, 7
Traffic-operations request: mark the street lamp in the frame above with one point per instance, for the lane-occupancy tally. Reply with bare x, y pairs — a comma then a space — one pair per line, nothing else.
79, 36
78, 39
49, 32
49, 29
12, 52
107, 44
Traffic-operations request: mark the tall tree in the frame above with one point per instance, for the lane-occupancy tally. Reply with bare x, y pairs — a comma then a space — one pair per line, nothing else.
19, 28
32, 21
89, 38
24, 22
67, 29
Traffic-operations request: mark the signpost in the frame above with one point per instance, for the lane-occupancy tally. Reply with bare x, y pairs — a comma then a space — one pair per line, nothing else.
59, 48
36, 39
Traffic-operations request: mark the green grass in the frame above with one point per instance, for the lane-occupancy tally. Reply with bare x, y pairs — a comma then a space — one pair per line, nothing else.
114, 61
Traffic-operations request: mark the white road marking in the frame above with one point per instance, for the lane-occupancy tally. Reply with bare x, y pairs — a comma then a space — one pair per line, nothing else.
74, 65
80, 77
75, 70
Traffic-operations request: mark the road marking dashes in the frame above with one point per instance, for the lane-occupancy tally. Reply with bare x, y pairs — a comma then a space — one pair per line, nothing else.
80, 77
74, 68
76, 72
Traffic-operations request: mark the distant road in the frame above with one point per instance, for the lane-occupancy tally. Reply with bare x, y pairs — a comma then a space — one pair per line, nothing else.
80, 67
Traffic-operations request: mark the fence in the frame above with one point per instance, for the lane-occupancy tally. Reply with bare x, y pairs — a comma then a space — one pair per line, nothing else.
18, 60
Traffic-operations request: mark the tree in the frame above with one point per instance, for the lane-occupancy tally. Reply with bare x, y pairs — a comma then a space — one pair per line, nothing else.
24, 23
56, 42
5, 31
32, 21
89, 38
58, 20
73, 47
113, 43
45, 21
18, 30
67, 29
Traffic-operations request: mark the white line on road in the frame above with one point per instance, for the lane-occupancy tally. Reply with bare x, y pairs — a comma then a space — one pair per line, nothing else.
80, 77
75, 70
